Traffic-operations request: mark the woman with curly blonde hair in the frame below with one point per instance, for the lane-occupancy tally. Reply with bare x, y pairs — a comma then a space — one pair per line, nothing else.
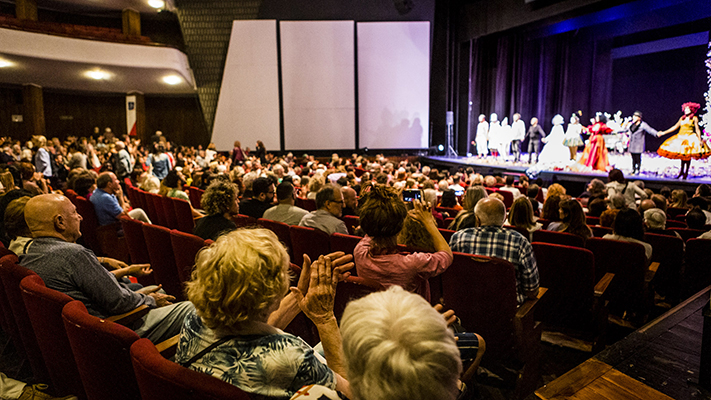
220, 202
239, 288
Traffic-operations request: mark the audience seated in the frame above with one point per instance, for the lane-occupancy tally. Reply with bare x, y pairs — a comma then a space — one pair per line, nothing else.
695, 218
329, 204
75, 271
660, 202
490, 239
471, 197
84, 184
350, 199
655, 221
702, 203
15, 225
679, 199
618, 185
220, 201
510, 187
449, 200
572, 220
239, 287
532, 193
629, 227
596, 207
382, 214
551, 207
285, 211
261, 200
33, 182
109, 202
521, 216
645, 205
607, 218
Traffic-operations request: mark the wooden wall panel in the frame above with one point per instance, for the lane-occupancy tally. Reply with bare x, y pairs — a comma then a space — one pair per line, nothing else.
11, 104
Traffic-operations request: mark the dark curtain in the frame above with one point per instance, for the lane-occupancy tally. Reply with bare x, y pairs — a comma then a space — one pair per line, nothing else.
538, 77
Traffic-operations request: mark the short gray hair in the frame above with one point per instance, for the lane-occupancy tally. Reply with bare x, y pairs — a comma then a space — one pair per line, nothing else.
399, 332
490, 212
655, 218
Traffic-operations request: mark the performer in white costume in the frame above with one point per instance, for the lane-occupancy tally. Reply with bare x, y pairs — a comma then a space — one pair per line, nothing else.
518, 133
505, 138
572, 136
482, 137
494, 134
554, 152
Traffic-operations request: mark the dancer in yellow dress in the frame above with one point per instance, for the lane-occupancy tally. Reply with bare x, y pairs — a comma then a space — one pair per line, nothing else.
686, 144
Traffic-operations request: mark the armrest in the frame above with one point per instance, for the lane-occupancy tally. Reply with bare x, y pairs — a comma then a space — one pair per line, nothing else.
529, 305
651, 271
130, 317
168, 347
604, 283
527, 331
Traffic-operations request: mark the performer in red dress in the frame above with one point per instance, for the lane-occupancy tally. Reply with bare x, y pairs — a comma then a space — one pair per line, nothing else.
686, 144
595, 153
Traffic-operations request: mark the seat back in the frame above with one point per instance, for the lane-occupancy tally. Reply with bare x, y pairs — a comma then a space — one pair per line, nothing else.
344, 243
352, 222
281, 230
675, 224
353, 288
687, 234
308, 241
307, 204
600, 231
11, 274
244, 221
523, 231
482, 291
89, 223
159, 378
160, 252
171, 221
668, 251
157, 201
195, 196
185, 249
508, 198
564, 238
569, 274
149, 207
101, 349
673, 212
590, 220
697, 274
71, 195
44, 308
183, 215
629, 264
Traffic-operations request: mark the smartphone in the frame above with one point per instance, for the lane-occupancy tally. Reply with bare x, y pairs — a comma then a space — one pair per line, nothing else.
411, 194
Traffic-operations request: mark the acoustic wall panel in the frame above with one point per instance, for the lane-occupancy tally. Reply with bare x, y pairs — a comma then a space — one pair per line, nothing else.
318, 63
248, 105
393, 84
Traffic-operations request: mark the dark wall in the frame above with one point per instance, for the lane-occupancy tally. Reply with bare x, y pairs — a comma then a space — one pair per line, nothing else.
658, 84
11, 104
357, 10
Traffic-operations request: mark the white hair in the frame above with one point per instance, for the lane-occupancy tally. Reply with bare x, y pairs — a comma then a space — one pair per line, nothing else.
397, 346
430, 197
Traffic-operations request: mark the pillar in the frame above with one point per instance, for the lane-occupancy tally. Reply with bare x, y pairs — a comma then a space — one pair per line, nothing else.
26, 9
131, 22
33, 104
140, 117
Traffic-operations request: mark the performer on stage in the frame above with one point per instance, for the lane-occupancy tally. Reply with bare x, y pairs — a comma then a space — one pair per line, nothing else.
555, 152
504, 138
482, 137
573, 140
518, 129
595, 153
686, 144
637, 130
494, 134
535, 134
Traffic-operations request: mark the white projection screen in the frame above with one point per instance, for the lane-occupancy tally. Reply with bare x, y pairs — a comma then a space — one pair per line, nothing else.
318, 84
393, 84
248, 106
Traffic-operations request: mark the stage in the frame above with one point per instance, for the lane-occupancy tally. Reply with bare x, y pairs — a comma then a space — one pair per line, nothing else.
657, 171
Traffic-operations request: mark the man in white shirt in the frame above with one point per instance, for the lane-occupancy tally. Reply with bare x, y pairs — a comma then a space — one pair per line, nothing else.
329, 201
285, 211
510, 187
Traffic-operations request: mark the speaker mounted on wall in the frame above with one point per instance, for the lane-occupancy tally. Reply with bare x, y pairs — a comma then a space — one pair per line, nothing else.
404, 6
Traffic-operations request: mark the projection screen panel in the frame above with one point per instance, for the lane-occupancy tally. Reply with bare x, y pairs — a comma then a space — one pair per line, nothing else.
318, 84
248, 105
393, 84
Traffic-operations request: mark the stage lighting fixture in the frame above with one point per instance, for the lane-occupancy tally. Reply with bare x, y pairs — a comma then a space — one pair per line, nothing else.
172, 79
5, 63
97, 74
440, 148
157, 4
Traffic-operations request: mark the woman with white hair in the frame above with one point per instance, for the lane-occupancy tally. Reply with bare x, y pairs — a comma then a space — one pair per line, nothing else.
239, 288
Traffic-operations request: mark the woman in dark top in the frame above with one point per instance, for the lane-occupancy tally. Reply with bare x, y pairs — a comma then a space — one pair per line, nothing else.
220, 202
261, 152
572, 220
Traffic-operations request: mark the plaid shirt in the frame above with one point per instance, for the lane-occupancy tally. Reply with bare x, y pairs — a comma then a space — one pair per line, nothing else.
494, 241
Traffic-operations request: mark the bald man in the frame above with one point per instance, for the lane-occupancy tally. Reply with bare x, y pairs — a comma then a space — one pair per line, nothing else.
489, 238
75, 271
350, 199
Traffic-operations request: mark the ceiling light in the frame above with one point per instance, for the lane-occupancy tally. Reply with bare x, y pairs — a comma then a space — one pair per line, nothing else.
97, 74
172, 79
156, 3
5, 63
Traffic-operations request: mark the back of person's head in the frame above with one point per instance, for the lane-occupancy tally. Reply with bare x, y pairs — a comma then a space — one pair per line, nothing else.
574, 217
84, 183
695, 218
219, 197
27, 170
607, 218
414, 235
472, 196
596, 187
326, 194
509, 180
261, 185
597, 207
430, 197
284, 191
16, 175
397, 346
616, 176
449, 198
382, 212
490, 212
660, 202
645, 205
14, 219
666, 192
556, 189
521, 213
704, 190
103, 180
533, 190
655, 218
7, 181
489, 181
551, 207
679, 199
617, 201
239, 278
629, 223
173, 180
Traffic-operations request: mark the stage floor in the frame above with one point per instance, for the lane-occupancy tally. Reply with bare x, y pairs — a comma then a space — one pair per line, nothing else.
656, 171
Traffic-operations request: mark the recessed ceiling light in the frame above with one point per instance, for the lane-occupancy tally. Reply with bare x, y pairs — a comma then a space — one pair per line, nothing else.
5, 63
172, 79
97, 74
156, 3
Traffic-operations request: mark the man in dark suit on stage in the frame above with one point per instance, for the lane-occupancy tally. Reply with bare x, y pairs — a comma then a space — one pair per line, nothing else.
534, 135
637, 130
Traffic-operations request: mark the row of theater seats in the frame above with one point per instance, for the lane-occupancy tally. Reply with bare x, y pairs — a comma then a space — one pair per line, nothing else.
72, 30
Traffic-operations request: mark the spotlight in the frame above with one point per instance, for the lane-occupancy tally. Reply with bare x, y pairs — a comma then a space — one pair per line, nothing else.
5, 63
172, 79
440, 148
97, 74
157, 4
